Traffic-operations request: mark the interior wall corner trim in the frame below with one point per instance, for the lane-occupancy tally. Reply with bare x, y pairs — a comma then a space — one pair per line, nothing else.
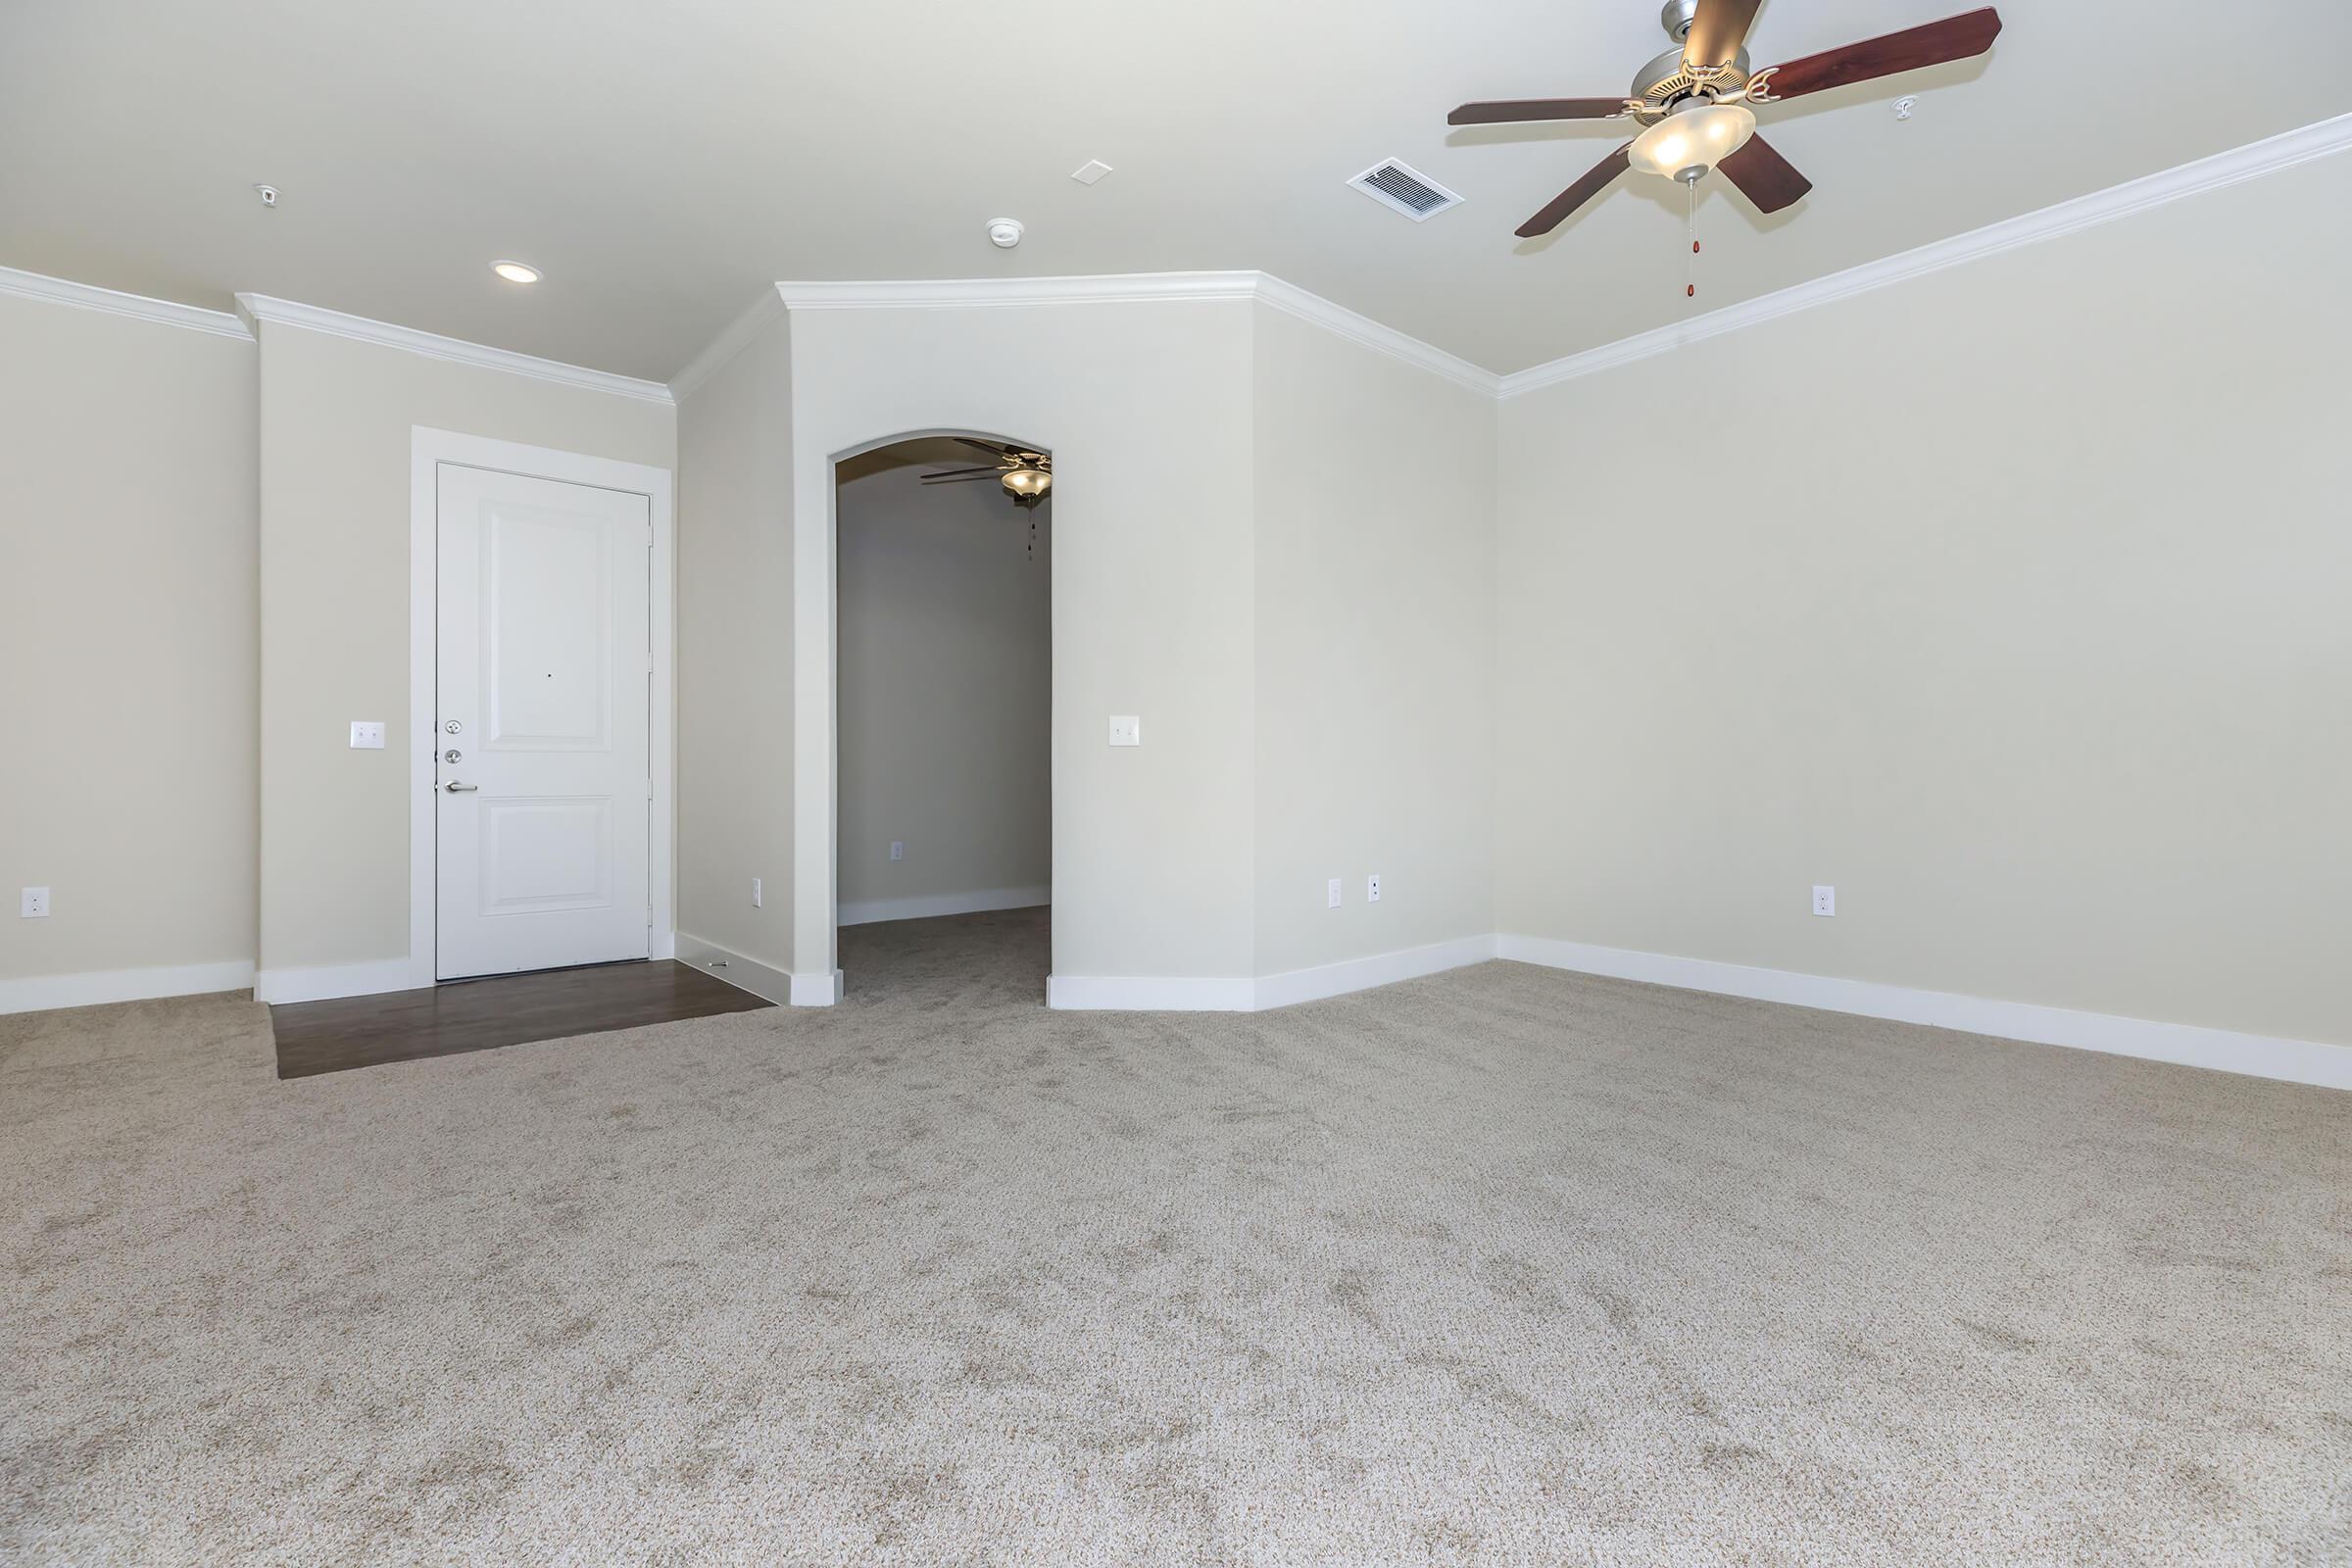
2252, 160
90, 297
744, 974
326, 982
432, 345
733, 339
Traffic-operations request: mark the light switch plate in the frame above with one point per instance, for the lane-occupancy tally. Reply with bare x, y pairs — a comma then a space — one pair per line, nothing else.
1126, 729
34, 903
367, 734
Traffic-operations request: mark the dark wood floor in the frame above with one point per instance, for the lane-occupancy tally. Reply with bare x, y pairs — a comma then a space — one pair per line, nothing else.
314, 1037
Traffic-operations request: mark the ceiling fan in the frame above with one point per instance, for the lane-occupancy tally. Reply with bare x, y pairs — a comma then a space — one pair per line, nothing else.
1025, 475
1693, 101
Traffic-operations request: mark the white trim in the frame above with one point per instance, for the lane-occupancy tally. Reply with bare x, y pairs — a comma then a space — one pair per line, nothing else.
1196, 287
1362, 974
90, 297
2301, 1061
2240, 164
40, 993
733, 340
1291, 300
1150, 993
926, 906
328, 981
819, 989
264, 307
428, 448
744, 974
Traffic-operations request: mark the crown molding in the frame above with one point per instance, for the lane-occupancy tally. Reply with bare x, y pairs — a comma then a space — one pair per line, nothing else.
90, 297
731, 341
1289, 298
359, 328
2234, 167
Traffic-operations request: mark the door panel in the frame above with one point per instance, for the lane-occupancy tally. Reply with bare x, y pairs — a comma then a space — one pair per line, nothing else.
543, 669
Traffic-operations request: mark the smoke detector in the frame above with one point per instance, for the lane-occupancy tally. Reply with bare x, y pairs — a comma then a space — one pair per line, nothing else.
1003, 233
267, 194
1392, 185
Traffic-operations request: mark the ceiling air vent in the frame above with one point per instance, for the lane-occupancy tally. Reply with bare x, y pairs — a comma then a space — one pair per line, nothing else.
1414, 194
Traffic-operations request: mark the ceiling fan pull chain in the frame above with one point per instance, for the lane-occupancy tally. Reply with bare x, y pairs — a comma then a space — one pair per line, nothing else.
1689, 209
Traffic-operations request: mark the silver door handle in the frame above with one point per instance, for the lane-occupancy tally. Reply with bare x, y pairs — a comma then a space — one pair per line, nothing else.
456, 788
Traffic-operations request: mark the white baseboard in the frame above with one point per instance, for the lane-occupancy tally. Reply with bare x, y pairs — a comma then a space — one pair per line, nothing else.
333, 980
818, 990
40, 993
1361, 974
744, 974
1216, 994
2301, 1061
926, 906
1151, 992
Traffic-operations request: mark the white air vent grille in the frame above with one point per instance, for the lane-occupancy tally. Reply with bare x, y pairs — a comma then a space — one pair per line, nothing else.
1411, 192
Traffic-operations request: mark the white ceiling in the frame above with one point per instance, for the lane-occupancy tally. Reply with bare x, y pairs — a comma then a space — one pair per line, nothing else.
663, 161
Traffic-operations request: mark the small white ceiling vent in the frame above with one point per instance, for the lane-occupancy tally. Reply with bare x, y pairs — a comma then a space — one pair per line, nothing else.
1414, 194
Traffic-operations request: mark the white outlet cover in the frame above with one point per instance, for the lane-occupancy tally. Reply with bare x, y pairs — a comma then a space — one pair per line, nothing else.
1126, 729
755, 893
1824, 900
34, 903
1331, 895
367, 734
898, 851
1372, 888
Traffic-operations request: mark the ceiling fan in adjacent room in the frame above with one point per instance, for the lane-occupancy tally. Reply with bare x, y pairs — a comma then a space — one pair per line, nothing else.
1025, 475
1693, 101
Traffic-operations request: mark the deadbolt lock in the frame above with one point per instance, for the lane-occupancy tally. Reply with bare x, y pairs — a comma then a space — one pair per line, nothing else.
453, 754
453, 726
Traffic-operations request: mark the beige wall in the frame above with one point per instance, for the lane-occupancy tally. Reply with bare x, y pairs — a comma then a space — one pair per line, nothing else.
1152, 608
1375, 643
126, 631
2012, 600
946, 696
337, 417
735, 701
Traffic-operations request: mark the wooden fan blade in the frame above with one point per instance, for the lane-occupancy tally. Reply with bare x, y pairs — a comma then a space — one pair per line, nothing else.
957, 474
1513, 111
1764, 177
989, 446
1930, 44
1716, 31
964, 478
1596, 180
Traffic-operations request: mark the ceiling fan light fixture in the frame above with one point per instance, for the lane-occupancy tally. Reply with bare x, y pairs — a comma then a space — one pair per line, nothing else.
1027, 484
1691, 140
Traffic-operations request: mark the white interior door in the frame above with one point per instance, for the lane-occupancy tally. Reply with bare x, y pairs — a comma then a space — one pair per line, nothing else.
544, 673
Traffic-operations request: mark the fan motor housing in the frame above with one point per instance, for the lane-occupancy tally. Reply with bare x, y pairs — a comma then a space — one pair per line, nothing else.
1664, 80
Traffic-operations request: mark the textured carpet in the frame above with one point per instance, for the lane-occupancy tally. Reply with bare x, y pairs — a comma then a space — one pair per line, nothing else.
1502, 1266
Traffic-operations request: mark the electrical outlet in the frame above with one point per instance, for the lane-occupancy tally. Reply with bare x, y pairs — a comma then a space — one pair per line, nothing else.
1372, 888
1331, 895
755, 893
898, 851
1824, 900
34, 903
367, 734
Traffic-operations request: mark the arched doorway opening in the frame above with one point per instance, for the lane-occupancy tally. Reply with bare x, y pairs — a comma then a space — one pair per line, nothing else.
943, 618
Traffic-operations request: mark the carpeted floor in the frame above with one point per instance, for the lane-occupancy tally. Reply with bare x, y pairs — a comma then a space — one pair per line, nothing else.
1504, 1266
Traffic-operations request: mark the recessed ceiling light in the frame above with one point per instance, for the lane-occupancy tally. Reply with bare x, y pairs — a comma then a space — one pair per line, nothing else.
515, 272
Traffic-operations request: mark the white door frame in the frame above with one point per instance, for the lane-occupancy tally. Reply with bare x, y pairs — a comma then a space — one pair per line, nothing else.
428, 448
